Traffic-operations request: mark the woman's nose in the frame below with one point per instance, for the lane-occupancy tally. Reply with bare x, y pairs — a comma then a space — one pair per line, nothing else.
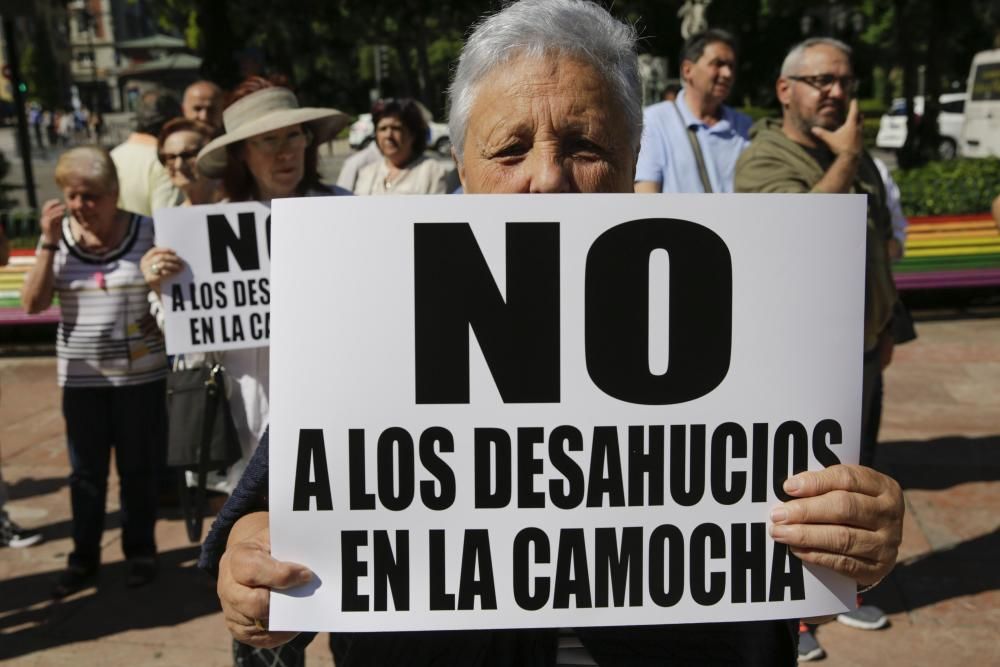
548, 173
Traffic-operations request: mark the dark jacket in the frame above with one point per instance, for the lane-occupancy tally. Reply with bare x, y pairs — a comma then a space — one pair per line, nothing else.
775, 163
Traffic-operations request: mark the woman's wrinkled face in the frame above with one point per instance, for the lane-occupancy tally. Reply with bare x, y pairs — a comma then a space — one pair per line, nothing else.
91, 203
394, 140
179, 154
277, 160
548, 124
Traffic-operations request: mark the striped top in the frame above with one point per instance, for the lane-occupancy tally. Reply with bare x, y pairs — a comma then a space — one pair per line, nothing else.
106, 335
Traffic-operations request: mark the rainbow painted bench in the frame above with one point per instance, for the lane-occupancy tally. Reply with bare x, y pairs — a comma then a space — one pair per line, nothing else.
11, 279
950, 252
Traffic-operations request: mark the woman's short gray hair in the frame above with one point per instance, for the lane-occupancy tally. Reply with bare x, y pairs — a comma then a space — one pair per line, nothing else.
537, 28
794, 58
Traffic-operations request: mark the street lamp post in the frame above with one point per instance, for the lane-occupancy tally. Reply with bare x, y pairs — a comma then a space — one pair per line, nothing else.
85, 22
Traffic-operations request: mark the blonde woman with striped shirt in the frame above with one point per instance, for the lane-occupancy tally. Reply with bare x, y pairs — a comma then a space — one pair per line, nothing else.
111, 360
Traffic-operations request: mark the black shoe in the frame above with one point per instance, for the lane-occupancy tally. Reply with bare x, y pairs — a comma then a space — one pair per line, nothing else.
141, 571
74, 578
15, 537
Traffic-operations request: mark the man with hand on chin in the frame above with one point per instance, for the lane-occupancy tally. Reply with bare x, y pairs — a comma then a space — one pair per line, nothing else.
817, 147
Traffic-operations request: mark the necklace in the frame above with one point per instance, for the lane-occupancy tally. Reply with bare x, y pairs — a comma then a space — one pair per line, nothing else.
391, 179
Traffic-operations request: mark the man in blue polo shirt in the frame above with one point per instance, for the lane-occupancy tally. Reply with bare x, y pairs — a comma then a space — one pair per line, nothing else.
691, 144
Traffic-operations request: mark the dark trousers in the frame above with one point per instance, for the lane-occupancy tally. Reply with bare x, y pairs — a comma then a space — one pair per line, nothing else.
133, 421
871, 407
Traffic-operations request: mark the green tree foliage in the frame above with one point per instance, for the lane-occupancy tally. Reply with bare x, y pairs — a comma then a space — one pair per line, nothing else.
327, 46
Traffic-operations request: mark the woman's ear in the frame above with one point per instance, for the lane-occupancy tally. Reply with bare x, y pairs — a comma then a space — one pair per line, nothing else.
461, 169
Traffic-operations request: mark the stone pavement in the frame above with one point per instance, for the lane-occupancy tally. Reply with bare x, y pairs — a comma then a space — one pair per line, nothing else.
941, 440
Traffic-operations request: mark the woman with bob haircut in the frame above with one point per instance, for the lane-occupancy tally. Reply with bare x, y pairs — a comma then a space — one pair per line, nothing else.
178, 145
546, 99
401, 136
111, 360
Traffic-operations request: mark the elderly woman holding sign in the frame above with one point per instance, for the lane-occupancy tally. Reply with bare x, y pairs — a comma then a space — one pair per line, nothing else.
269, 150
546, 99
111, 360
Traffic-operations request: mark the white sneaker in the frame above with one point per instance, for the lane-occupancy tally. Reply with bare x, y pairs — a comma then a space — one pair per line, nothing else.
865, 617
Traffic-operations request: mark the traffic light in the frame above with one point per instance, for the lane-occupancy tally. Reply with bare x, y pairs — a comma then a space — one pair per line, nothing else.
23, 87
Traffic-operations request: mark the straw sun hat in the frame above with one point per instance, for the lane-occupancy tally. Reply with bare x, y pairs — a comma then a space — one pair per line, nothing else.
263, 111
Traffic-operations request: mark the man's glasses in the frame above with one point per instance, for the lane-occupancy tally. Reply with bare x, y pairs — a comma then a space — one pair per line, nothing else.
271, 145
168, 158
824, 82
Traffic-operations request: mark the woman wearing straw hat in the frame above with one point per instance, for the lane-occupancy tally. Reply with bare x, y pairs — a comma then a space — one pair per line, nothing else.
268, 151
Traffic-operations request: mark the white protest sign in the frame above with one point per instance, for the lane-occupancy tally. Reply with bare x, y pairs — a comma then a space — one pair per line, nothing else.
221, 300
557, 411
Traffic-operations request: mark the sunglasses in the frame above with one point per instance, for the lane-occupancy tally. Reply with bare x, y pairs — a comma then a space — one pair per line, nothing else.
168, 158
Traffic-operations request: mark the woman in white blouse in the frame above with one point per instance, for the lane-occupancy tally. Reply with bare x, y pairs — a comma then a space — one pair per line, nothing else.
401, 136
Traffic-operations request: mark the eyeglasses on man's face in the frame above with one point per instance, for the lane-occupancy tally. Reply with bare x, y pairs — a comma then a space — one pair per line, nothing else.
273, 143
824, 82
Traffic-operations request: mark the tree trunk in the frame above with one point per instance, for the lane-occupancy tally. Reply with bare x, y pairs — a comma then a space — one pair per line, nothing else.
909, 154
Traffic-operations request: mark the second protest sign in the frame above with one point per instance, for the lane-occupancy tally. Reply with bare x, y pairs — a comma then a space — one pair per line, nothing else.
221, 300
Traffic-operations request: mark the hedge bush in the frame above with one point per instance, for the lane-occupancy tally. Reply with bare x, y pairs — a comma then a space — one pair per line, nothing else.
950, 187
872, 108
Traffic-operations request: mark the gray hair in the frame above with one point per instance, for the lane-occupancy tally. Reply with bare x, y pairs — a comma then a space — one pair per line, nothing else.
537, 28
794, 58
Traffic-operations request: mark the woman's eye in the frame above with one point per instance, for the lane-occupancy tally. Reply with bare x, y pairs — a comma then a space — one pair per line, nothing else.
513, 150
585, 148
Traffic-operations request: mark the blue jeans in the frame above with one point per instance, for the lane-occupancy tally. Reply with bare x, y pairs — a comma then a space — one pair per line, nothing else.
133, 420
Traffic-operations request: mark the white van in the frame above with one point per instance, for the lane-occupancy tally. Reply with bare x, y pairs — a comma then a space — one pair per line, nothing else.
951, 116
981, 130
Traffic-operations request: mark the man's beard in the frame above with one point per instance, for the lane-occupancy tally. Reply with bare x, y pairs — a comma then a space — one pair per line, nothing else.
829, 122
807, 123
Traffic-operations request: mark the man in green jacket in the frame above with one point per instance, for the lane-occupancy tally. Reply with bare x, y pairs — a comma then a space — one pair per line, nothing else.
817, 147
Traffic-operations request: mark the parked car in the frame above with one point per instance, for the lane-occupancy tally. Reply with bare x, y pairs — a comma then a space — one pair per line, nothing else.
363, 132
892, 127
981, 131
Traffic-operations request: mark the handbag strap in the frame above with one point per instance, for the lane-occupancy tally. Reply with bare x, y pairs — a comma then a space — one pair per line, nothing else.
699, 159
194, 512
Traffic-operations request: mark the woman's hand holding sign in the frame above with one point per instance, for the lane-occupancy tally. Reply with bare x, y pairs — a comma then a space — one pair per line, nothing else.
247, 574
159, 263
846, 517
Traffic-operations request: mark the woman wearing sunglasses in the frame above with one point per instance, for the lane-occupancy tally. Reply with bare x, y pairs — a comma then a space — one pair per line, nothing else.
179, 143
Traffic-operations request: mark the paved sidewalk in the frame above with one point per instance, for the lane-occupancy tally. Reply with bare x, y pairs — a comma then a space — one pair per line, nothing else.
941, 439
